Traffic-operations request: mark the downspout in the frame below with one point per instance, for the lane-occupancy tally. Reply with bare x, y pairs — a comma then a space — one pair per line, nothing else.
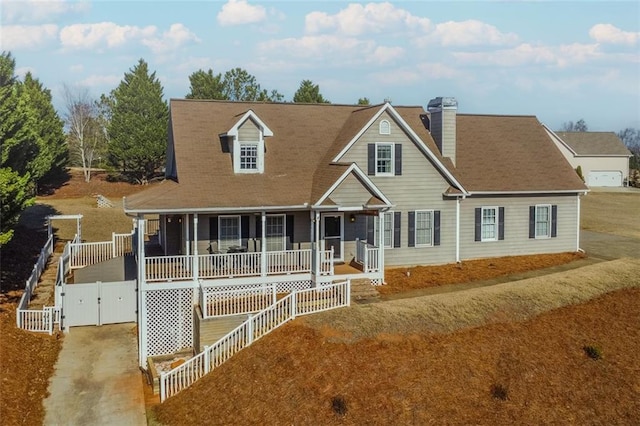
458, 229
263, 243
187, 233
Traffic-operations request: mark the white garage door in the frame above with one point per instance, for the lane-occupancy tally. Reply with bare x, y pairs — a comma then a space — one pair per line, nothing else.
604, 178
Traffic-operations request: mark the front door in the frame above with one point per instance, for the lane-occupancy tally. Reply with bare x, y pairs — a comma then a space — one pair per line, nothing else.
332, 228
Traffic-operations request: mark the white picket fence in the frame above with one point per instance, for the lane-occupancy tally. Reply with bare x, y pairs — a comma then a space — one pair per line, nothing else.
296, 303
33, 319
85, 254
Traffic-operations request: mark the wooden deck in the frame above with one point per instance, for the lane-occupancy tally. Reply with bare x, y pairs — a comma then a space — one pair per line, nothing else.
121, 268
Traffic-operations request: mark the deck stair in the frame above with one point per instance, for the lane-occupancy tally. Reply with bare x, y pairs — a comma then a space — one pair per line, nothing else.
43, 294
363, 292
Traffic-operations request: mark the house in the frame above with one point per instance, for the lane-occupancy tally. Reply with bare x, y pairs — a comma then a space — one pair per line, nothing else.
602, 157
299, 195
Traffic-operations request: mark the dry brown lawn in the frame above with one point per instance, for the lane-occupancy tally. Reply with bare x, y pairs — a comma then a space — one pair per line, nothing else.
612, 212
418, 362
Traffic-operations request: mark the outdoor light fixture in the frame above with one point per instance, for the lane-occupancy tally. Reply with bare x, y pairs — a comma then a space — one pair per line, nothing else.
352, 218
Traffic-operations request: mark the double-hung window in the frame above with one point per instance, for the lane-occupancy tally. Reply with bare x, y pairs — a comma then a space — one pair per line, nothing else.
384, 159
489, 224
543, 221
387, 231
229, 227
424, 228
248, 156
275, 232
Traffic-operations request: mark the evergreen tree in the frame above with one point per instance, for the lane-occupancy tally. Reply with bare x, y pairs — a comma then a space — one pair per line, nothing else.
205, 85
49, 130
239, 85
364, 101
18, 148
309, 93
137, 130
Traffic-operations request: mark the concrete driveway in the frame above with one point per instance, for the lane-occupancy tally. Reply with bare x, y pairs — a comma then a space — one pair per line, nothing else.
96, 379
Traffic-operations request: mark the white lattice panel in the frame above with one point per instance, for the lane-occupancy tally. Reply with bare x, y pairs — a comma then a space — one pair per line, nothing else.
169, 320
376, 281
287, 287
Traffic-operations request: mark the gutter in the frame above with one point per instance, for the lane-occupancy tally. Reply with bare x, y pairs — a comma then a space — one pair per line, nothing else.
215, 210
568, 191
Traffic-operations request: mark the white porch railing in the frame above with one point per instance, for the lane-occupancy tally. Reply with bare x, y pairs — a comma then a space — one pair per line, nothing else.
224, 301
296, 303
85, 254
367, 255
168, 268
233, 265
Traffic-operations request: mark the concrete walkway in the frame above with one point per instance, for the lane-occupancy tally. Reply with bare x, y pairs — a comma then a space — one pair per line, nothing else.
96, 379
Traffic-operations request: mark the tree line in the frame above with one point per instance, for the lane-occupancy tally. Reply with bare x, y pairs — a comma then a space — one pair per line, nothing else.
124, 130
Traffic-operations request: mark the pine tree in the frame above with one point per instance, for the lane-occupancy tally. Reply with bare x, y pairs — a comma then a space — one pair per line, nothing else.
309, 93
137, 130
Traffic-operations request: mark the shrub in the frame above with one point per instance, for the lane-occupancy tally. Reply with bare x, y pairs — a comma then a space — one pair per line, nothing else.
499, 391
579, 172
339, 405
593, 352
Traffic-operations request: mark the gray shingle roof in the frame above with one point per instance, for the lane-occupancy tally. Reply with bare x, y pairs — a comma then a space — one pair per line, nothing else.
594, 143
495, 153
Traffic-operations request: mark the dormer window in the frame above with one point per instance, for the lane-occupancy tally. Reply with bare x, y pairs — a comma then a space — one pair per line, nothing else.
247, 143
248, 156
385, 127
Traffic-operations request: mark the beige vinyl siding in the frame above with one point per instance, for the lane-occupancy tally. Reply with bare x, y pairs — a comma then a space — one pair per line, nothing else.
516, 227
420, 187
350, 193
248, 131
606, 164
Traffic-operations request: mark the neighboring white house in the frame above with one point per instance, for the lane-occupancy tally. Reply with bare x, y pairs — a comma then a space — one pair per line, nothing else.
602, 156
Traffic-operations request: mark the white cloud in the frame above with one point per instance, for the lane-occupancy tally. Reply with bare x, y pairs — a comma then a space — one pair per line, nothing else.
34, 11
103, 34
178, 35
468, 33
100, 80
27, 36
111, 35
385, 54
76, 68
527, 54
357, 19
238, 12
607, 33
418, 73
319, 47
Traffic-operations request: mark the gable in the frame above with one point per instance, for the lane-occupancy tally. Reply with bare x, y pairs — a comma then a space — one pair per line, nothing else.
249, 131
351, 193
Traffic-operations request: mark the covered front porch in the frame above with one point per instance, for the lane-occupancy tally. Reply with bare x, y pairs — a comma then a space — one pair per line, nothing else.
249, 245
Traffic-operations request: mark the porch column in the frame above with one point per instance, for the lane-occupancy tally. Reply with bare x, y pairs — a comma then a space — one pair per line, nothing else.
263, 244
196, 272
141, 255
187, 232
317, 243
381, 242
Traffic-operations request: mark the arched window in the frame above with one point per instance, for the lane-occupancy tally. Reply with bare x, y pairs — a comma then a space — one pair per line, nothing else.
385, 127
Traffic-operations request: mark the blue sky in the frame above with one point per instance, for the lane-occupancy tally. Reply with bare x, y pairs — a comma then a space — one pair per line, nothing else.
560, 61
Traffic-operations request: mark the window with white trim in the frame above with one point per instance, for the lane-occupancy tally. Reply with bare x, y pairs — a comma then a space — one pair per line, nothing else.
543, 221
248, 156
275, 232
489, 224
229, 232
387, 232
385, 127
384, 159
424, 228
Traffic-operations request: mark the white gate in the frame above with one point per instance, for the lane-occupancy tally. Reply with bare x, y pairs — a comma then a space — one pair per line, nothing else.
99, 303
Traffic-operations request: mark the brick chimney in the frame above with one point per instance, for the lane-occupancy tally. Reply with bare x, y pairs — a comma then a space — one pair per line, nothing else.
442, 125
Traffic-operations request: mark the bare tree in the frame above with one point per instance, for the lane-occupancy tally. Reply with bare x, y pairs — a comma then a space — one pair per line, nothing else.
85, 129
